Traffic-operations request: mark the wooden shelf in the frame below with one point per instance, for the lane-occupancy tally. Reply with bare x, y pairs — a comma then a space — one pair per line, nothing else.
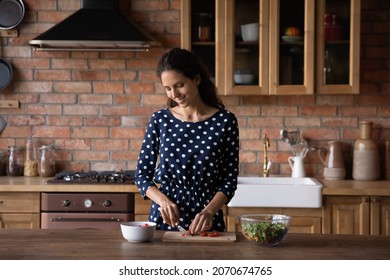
9, 104
9, 33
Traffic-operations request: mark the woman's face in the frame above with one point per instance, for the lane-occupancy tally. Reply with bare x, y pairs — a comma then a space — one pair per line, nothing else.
179, 88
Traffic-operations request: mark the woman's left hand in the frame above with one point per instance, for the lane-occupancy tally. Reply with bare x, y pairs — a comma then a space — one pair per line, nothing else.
203, 221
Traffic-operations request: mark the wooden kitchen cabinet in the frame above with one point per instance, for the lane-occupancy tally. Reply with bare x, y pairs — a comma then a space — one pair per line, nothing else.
338, 46
141, 208
282, 65
356, 215
380, 215
302, 220
19, 210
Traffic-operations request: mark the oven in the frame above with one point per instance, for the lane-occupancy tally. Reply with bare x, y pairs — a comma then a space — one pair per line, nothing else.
70, 210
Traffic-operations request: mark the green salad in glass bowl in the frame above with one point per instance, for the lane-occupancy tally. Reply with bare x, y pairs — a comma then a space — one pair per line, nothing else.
265, 229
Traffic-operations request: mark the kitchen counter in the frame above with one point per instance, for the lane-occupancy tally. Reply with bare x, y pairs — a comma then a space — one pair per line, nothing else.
354, 187
92, 244
38, 184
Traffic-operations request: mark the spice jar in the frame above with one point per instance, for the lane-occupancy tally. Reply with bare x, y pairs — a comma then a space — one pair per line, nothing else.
3, 163
204, 27
15, 161
47, 164
31, 162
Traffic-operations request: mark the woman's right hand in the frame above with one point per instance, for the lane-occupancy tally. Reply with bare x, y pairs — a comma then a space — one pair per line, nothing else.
169, 212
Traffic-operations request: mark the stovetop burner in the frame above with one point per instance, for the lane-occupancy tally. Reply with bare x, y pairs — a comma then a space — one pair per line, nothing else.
93, 177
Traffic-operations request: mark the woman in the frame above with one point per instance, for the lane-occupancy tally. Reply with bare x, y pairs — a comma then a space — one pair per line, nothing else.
188, 163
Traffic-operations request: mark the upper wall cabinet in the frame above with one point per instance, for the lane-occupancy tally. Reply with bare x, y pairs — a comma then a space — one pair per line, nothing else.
338, 47
276, 47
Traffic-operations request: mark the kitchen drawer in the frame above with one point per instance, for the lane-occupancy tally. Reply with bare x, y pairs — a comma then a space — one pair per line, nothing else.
22, 221
19, 202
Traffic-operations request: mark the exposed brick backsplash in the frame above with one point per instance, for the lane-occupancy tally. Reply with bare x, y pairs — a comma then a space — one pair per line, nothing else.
94, 106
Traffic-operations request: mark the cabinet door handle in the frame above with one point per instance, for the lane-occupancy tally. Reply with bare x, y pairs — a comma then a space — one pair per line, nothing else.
1, 202
366, 199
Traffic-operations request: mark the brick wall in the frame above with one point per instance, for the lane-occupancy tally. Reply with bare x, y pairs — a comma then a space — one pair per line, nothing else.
93, 106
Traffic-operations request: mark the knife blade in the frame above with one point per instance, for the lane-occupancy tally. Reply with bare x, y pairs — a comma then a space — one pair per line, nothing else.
183, 230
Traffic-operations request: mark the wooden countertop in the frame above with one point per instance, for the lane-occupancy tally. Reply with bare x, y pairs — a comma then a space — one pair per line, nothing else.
38, 184
93, 244
353, 187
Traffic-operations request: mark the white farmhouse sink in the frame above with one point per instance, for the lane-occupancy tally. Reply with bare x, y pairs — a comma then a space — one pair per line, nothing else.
277, 192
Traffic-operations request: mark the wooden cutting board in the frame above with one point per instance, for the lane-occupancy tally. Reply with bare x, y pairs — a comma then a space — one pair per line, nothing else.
175, 236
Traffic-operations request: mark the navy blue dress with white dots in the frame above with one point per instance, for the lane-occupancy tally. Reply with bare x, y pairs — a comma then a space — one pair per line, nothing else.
191, 161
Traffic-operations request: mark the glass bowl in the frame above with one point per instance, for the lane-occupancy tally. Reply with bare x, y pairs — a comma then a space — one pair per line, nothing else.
264, 229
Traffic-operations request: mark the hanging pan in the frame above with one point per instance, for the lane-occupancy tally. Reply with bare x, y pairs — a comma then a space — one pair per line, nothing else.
5, 73
11, 13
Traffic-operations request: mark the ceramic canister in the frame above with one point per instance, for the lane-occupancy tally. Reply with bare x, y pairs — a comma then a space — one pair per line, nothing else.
366, 164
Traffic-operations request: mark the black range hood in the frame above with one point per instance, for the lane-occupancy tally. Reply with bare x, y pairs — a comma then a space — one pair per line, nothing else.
97, 26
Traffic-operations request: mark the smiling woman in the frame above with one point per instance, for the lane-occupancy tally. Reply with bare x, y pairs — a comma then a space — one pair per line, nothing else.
190, 149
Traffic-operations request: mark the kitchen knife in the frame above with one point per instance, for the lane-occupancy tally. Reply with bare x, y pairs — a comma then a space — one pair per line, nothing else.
183, 230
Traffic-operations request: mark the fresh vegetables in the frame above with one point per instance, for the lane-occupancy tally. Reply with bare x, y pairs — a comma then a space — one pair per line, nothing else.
144, 225
265, 232
206, 234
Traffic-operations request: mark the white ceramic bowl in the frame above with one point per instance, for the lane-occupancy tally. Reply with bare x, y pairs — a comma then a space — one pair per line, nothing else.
243, 77
138, 231
265, 229
250, 32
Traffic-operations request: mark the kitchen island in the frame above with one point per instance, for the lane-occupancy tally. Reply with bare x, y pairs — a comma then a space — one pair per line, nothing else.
93, 244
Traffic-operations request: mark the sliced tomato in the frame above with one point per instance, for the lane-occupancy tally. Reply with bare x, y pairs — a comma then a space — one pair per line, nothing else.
213, 234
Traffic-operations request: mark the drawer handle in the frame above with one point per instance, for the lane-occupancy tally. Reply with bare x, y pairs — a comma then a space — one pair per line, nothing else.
1, 202
61, 219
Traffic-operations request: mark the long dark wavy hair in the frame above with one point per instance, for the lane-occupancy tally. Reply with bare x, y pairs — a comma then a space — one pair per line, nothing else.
190, 65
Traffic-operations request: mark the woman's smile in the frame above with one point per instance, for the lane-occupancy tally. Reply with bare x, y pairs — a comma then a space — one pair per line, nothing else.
179, 88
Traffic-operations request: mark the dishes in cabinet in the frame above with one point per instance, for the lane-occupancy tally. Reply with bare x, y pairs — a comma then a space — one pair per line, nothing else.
244, 77
250, 32
292, 39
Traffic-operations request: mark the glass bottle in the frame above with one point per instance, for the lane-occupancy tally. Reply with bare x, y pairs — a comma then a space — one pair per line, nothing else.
328, 70
366, 155
15, 161
31, 162
47, 163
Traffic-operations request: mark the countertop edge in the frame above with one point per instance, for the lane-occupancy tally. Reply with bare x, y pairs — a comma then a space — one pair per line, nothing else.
38, 184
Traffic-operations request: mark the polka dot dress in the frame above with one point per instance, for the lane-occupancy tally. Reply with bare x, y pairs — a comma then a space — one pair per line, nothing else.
191, 161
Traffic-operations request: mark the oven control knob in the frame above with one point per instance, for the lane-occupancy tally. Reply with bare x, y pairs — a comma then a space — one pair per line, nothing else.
66, 203
87, 203
107, 203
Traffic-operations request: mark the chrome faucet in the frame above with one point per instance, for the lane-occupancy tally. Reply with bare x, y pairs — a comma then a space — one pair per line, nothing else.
266, 163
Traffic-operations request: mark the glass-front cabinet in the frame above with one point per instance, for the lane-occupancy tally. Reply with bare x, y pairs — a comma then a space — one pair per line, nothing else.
338, 46
246, 47
276, 47
292, 47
